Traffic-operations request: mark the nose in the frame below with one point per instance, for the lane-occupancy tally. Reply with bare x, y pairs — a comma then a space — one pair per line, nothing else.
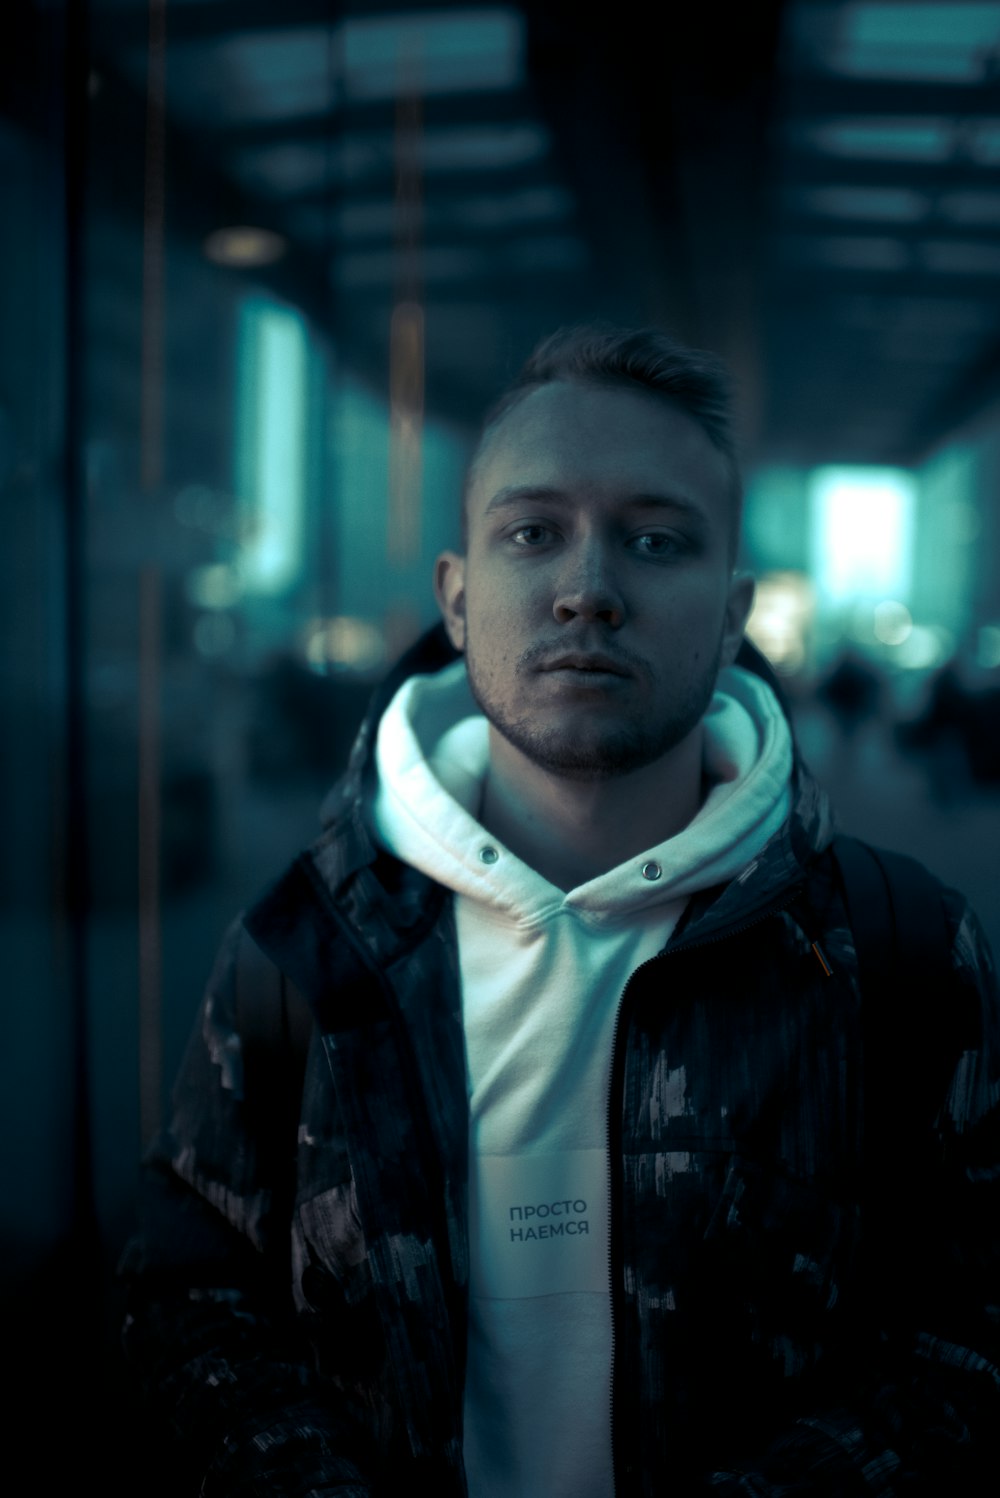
588, 589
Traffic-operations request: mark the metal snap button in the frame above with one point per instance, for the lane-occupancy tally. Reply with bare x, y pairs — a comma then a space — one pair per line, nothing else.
651, 870
488, 854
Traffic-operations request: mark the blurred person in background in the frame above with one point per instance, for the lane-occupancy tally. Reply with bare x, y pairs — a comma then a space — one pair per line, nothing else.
853, 692
941, 734
524, 1145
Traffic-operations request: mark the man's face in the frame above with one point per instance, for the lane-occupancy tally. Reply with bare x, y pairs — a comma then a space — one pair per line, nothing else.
595, 602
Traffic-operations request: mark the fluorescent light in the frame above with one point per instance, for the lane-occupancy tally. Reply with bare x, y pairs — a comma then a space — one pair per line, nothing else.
887, 139
432, 52
271, 443
862, 533
880, 204
929, 41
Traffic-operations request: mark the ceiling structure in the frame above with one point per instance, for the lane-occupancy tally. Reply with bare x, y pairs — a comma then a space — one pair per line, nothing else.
810, 188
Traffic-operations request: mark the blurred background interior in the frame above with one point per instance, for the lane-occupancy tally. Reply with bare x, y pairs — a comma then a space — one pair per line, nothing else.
262, 265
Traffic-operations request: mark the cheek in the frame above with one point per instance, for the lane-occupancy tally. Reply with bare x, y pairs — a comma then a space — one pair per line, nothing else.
691, 624
492, 637
500, 609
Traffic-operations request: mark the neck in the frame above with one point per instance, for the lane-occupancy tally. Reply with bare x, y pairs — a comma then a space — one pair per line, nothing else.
570, 831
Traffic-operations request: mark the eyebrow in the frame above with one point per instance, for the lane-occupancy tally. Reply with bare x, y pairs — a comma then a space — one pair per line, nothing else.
516, 494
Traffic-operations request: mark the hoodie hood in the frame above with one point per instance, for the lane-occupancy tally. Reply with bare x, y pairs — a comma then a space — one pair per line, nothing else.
458, 737
432, 758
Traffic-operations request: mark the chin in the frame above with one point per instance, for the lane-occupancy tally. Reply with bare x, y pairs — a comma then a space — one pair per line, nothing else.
587, 744
575, 756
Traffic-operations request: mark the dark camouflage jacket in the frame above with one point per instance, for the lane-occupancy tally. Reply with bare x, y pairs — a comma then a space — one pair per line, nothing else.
803, 1304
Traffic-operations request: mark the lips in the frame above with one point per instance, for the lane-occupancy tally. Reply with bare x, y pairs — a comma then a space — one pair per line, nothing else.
586, 663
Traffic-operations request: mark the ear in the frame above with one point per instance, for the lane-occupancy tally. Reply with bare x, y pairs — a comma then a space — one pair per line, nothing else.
738, 606
449, 590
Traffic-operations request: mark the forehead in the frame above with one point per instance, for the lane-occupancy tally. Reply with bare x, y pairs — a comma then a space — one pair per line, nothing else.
601, 442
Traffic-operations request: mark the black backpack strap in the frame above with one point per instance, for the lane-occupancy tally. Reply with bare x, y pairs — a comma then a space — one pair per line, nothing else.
897, 914
910, 1018
275, 1024
903, 942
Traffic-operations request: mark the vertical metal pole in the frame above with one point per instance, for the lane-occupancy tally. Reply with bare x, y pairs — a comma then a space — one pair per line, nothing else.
327, 386
150, 593
77, 869
406, 417
150, 842
407, 360
152, 250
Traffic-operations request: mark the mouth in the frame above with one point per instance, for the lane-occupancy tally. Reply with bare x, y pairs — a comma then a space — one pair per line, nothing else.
586, 666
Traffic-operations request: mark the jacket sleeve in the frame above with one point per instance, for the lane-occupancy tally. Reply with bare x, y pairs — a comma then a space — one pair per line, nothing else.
922, 1416
210, 1334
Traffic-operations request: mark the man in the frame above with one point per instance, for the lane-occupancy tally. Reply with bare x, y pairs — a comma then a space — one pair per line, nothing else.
586, 1197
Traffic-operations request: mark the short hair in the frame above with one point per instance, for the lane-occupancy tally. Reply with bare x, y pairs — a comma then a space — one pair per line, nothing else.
600, 354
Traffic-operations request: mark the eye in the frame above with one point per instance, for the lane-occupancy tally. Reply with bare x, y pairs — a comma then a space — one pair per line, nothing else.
657, 544
530, 535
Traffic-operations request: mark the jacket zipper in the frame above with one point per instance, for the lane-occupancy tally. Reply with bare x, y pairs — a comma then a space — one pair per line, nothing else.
622, 1473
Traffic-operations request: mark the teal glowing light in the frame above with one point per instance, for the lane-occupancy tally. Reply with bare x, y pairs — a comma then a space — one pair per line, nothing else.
272, 398
862, 533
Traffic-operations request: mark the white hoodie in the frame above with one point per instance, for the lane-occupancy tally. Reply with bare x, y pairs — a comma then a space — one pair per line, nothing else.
542, 974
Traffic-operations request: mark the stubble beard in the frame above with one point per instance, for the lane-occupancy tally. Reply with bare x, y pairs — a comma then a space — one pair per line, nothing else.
606, 749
